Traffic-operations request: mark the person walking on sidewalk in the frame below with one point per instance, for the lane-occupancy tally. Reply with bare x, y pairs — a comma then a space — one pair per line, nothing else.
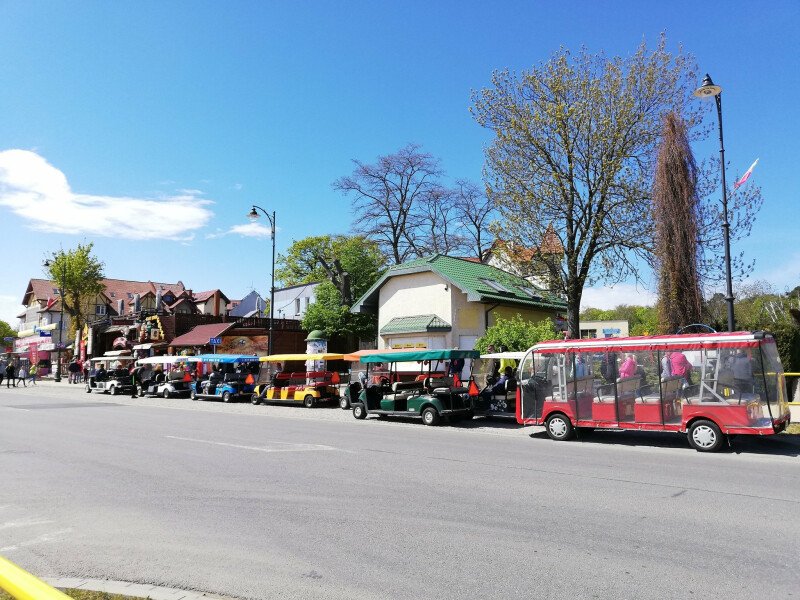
22, 374
10, 375
3, 365
32, 374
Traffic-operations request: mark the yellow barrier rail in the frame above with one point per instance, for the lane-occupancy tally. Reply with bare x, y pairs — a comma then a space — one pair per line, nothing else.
24, 586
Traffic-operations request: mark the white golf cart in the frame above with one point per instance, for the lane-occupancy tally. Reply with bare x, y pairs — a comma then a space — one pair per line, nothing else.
166, 381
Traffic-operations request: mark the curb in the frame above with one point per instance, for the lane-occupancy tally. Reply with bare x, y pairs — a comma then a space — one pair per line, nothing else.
127, 588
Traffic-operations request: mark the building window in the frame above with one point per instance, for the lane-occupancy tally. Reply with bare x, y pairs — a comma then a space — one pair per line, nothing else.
308, 301
495, 285
100, 310
588, 333
297, 306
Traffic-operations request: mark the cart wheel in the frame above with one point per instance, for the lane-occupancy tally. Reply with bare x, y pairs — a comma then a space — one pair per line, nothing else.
344, 403
430, 416
113, 390
469, 416
705, 436
226, 396
165, 394
559, 427
255, 399
308, 401
359, 412
193, 395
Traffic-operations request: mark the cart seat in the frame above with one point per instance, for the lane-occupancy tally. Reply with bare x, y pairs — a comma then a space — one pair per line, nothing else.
403, 390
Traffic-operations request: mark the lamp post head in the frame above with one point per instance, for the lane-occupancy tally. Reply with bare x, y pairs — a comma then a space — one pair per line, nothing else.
708, 89
253, 214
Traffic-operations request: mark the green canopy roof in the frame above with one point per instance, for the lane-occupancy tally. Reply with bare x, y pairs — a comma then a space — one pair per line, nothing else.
415, 324
418, 355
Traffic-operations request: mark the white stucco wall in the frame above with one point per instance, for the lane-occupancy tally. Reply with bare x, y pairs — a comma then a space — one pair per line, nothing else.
415, 294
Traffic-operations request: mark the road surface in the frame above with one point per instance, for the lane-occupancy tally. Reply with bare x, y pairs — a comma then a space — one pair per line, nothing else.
287, 502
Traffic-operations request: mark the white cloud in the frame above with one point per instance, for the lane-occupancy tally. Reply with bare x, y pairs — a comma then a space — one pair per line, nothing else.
256, 230
607, 297
39, 193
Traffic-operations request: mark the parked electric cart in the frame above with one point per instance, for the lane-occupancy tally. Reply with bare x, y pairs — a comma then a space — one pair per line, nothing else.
112, 375
707, 386
428, 396
163, 376
496, 376
280, 384
232, 377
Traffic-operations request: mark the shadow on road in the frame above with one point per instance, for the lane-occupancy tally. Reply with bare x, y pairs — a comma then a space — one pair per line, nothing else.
780, 445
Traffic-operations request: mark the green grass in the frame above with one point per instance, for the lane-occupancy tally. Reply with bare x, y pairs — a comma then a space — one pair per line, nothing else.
85, 595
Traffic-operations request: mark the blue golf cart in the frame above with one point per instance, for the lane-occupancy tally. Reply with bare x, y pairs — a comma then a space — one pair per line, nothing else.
226, 377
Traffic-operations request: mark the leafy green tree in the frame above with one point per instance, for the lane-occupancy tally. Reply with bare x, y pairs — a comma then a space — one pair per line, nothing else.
6, 331
80, 275
351, 263
516, 334
642, 320
574, 146
328, 314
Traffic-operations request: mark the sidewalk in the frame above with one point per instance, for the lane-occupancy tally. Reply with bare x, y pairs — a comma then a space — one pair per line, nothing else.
126, 588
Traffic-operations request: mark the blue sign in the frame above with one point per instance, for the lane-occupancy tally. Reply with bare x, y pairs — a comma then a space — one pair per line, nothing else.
217, 341
8, 339
45, 334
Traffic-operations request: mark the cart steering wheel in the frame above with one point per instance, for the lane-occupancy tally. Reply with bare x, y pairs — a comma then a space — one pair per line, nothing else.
384, 381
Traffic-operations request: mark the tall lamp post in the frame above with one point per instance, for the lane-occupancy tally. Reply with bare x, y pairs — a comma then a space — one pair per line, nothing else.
48, 264
253, 216
708, 90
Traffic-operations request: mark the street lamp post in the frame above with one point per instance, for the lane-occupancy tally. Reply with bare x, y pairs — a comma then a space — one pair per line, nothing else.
253, 215
708, 90
47, 263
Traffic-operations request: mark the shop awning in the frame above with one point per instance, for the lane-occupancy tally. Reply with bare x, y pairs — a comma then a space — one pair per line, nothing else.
51, 327
149, 345
25, 333
117, 353
200, 335
117, 329
415, 324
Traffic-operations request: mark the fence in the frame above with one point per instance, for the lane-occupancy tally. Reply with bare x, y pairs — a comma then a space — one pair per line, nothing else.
24, 586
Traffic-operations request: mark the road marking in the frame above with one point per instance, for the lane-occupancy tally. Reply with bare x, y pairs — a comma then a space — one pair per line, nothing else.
28, 523
294, 447
44, 538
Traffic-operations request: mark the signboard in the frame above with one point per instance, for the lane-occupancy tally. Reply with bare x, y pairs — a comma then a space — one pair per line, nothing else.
8, 339
215, 341
45, 334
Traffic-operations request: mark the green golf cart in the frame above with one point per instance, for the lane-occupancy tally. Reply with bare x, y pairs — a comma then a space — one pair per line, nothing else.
430, 394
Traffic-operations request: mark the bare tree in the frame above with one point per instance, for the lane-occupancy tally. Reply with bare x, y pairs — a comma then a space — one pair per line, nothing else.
387, 198
475, 212
437, 223
675, 213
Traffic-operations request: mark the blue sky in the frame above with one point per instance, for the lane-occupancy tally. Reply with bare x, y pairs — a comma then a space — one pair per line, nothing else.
192, 111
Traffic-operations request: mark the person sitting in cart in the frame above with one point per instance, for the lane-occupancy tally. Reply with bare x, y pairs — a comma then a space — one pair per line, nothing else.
680, 366
499, 387
102, 374
743, 372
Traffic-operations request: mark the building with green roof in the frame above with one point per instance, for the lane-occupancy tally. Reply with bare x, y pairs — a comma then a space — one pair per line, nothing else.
447, 302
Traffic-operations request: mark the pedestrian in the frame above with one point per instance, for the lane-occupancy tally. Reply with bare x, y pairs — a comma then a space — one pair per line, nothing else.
136, 380
22, 374
32, 374
3, 365
10, 373
85, 371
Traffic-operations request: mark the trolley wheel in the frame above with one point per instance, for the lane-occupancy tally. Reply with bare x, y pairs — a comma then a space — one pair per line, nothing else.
226, 396
165, 394
705, 436
113, 390
359, 412
255, 399
559, 427
308, 401
344, 403
430, 416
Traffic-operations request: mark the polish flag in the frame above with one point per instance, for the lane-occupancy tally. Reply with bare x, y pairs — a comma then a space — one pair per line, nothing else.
746, 175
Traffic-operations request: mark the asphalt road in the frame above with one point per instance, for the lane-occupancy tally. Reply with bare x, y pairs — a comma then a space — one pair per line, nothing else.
286, 502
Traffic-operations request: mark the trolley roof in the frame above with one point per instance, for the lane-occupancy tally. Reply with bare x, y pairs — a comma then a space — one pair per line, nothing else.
221, 358
506, 355
737, 339
418, 355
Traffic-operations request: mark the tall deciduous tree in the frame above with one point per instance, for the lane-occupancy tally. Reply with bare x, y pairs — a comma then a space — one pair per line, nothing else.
575, 141
6, 331
80, 275
474, 212
675, 208
389, 197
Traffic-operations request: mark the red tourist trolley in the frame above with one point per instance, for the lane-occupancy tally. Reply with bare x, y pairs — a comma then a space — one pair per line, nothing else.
707, 386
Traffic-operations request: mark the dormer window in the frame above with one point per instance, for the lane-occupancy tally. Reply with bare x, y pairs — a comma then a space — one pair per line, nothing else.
497, 286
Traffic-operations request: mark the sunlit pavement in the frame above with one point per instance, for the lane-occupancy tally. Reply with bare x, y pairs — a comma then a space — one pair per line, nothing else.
288, 502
